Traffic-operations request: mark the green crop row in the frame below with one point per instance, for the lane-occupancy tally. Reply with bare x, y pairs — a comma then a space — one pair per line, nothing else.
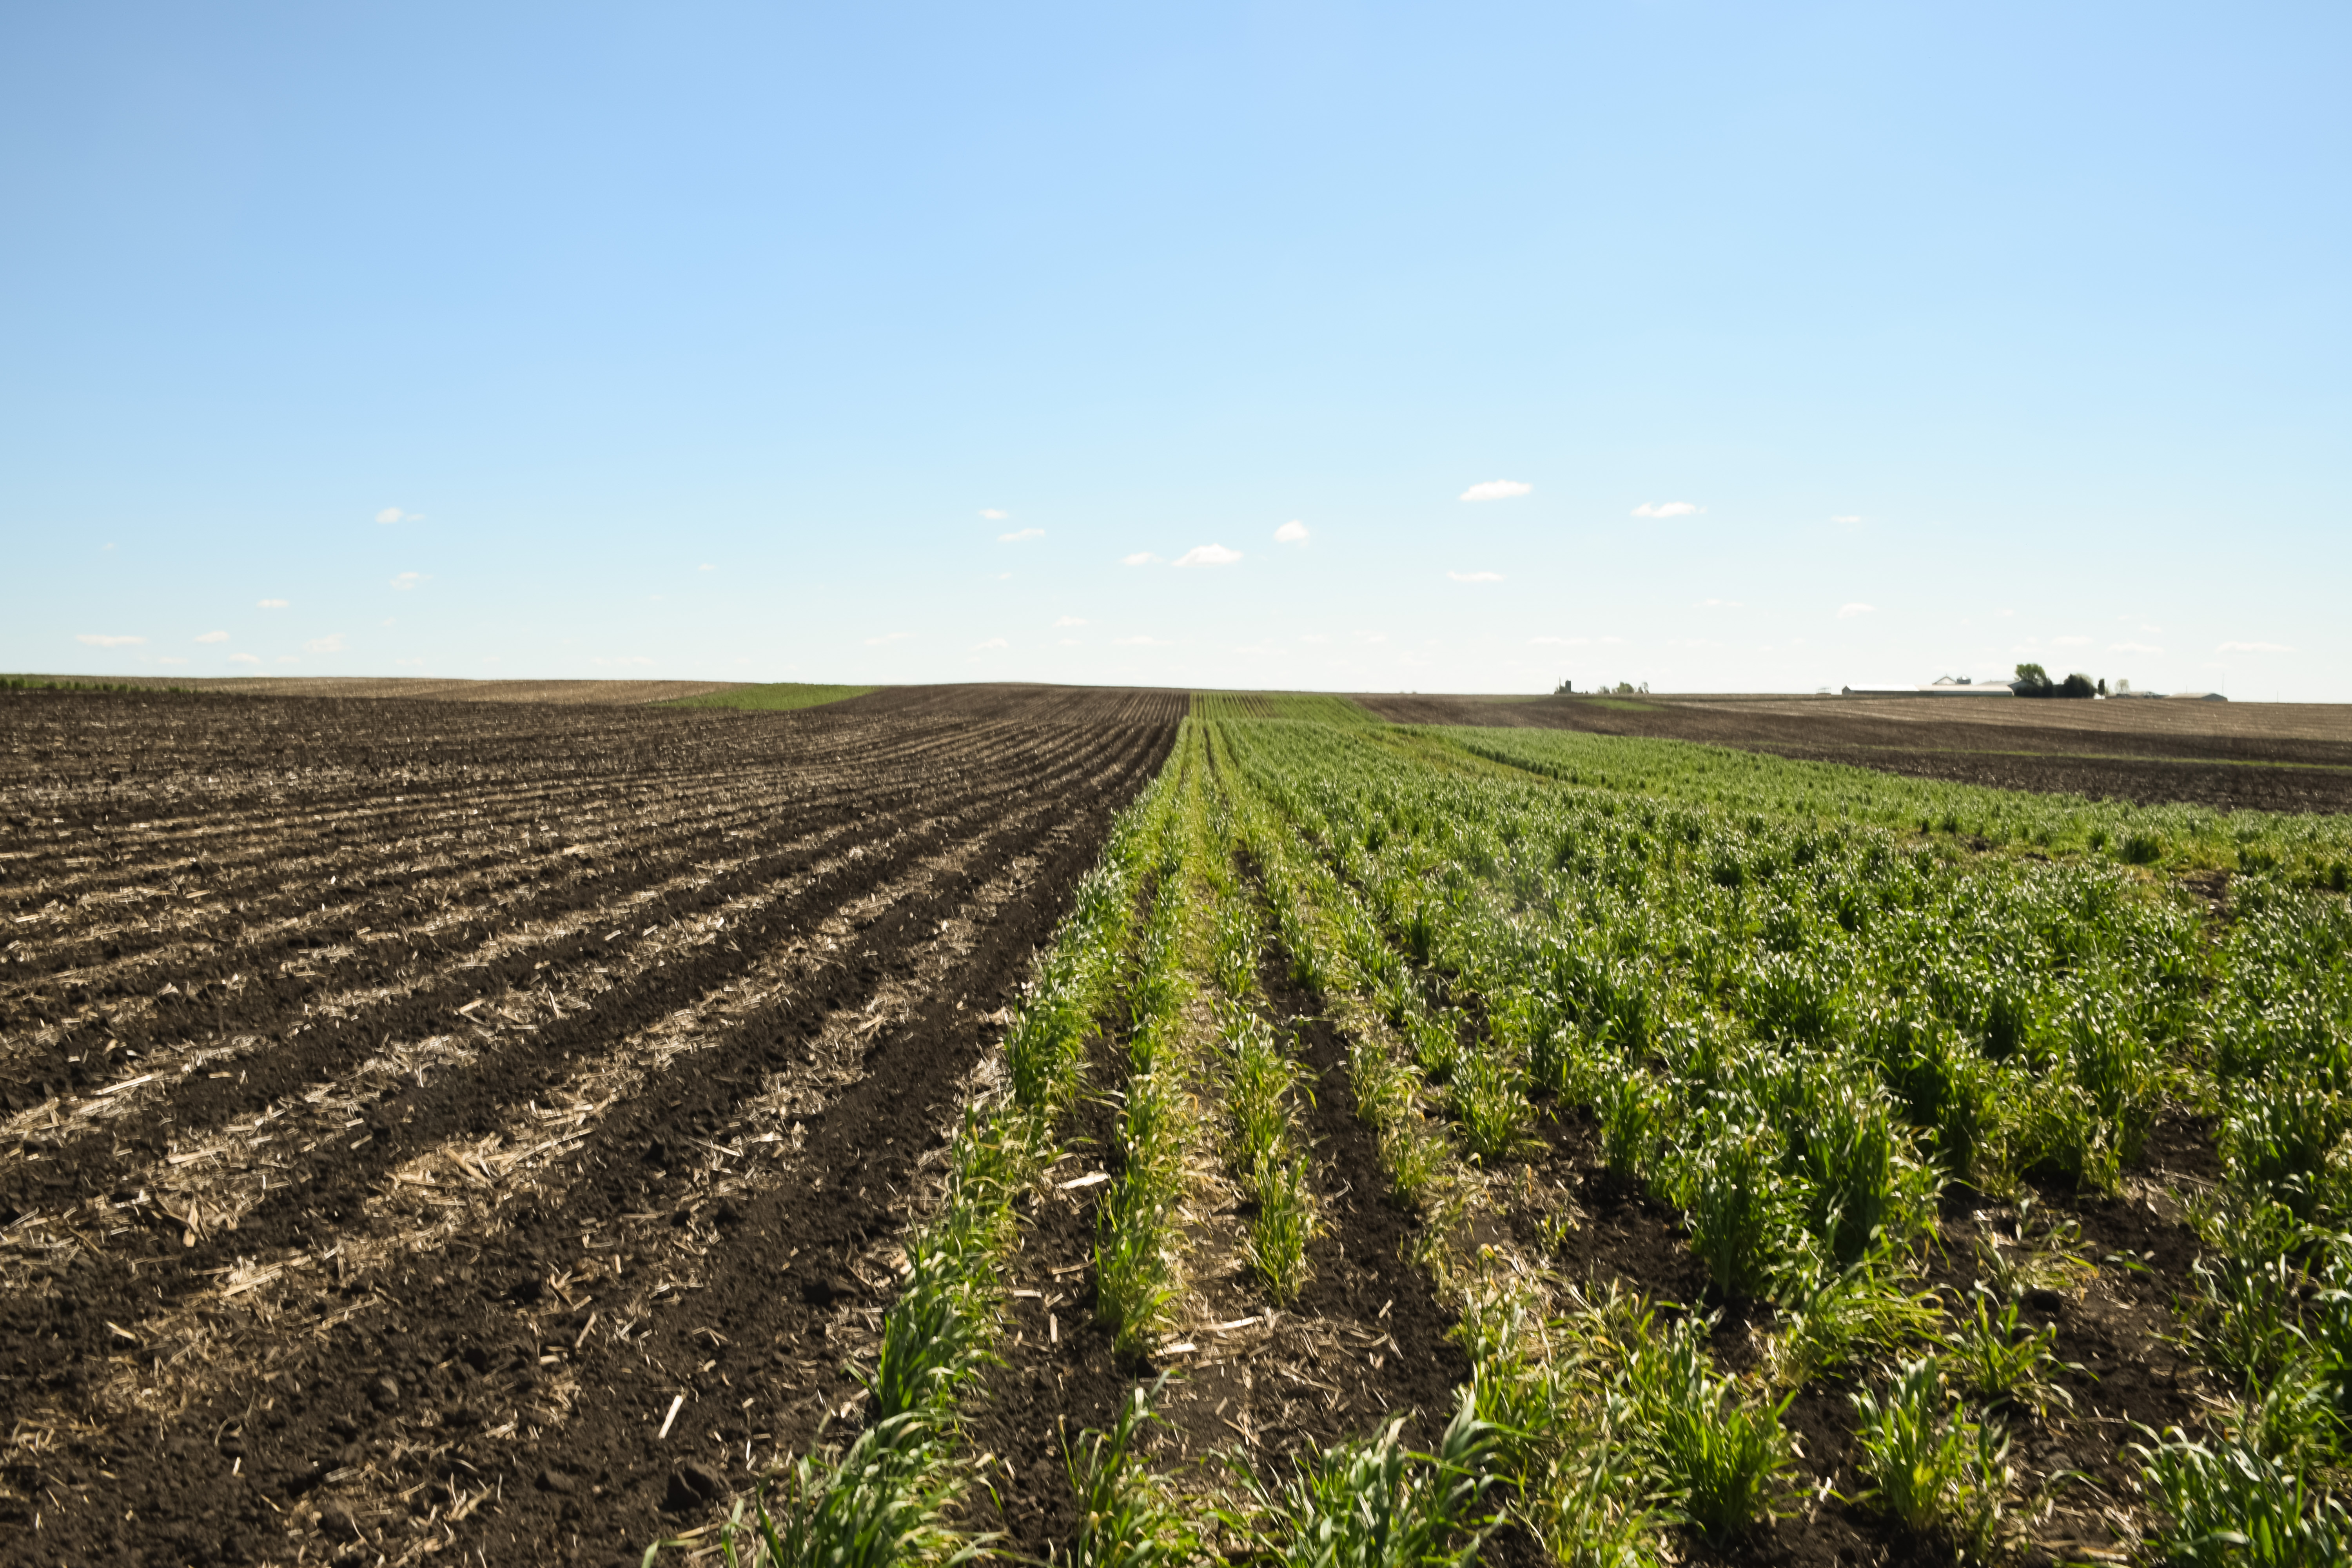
2316, 848
1797, 1030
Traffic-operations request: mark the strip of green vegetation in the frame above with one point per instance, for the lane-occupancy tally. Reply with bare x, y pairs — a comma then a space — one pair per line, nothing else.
2309, 848
34, 683
1319, 707
773, 697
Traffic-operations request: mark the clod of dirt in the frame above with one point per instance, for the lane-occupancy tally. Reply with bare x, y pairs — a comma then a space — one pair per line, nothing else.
824, 1290
336, 1523
384, 1392
554, 1480
691, 1486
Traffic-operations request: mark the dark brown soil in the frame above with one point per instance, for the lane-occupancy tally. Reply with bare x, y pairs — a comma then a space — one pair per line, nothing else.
371, 877
2142, 751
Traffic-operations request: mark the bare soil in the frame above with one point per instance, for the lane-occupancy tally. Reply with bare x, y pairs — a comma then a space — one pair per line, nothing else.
406, 1106
2267, 756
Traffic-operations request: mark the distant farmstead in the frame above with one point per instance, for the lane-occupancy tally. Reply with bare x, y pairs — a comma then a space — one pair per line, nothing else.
1947, 686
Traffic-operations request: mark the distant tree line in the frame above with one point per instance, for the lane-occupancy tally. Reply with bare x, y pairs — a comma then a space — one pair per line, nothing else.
2032, 680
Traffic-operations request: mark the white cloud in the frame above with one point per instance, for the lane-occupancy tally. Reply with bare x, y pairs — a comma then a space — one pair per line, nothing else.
2225, 648
1718, 603
1142, 642
243, 658
213, 636
1291, 533
271, 603
621, 660
705, 566
1558, 642
1018, 534
993, 642
407, 580
887, 638
1847, 517
1071, 621
288, 658
170, 658
99, 639
1495, 489
1668, 509
1848, 611
334, 643
2070, 642
1313, 637
1141, 558
393, 514
1208, 555
1475, 576
993, 514
2132, 647
389, 621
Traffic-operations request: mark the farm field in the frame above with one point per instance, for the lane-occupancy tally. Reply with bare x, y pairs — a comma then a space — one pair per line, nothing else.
2269, 756
1112, 1128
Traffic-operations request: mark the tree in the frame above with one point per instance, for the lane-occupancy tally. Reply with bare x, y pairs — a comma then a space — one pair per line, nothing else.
2032, 680
2075, 685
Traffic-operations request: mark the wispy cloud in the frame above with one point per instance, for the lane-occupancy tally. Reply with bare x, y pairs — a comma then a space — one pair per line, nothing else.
213, 636
1071, 621
1142, 642
170, 658
243, 658
1018, 534
290, 658
1141, 558
1208, 555
393, 514
100, 639
334, 643
991, 642
407, 580
2224, 647
271, 603
621, 660
2070, 642
1668, 509
1558, 642
1495, 489
1475, 576
2132, 647
994, 514
1848, 611
1291, 533
705, 566
1718, 603
1846, 517
887, 638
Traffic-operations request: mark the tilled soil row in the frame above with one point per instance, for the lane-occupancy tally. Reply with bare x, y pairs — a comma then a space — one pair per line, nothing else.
485, 1064
373, 1406
78, 971
289, 1039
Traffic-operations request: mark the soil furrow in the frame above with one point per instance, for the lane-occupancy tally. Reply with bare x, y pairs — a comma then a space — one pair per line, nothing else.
673, 1076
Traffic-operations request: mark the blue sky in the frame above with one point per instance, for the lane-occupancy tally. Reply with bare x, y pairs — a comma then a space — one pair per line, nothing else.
1811, 343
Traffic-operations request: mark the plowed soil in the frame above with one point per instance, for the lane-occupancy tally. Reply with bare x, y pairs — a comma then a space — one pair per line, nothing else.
482, 1130
2267, 756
